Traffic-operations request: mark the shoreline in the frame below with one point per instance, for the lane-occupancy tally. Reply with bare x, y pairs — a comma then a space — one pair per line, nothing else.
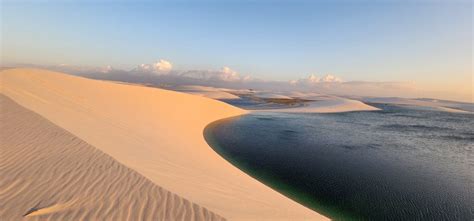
302, 154
114, 118
264, 179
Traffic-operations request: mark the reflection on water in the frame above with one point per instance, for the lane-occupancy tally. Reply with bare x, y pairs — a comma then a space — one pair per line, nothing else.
395, 164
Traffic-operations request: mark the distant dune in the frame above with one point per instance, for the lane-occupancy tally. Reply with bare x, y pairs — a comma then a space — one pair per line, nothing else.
432, 104
328, 105
313, 102
209, 92
155, 132
50, 174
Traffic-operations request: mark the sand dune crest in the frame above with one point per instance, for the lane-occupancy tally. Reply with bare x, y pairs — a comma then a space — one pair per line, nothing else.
155, 132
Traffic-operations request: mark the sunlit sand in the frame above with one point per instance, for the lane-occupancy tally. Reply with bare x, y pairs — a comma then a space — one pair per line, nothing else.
149, 137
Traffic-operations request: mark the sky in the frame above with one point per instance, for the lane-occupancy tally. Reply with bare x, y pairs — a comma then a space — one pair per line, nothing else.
426, 42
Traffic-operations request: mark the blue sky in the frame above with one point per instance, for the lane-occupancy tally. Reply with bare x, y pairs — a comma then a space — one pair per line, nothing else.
428, 42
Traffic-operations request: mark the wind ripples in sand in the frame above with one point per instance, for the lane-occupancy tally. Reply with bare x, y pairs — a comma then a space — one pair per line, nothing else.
49, 174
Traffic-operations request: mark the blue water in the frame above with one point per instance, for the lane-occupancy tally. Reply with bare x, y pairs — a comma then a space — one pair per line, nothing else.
395, 164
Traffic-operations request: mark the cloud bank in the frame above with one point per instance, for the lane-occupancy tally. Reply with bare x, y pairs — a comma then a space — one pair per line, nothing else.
313, 79
160, 67
162, 74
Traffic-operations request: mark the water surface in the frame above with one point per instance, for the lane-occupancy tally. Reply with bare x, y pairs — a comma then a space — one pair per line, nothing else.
395, 164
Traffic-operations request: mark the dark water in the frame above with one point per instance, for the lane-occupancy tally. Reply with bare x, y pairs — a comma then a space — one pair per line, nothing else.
395, 164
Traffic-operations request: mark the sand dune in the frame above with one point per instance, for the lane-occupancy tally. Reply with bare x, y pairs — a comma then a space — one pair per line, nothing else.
49, 174
328, 105
319, 103
157, 133
431, 104
209, 92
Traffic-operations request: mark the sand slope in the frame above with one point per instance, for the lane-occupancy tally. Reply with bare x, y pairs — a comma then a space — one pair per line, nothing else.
49, 174
157, 133
209, 92
328, 105
430, 104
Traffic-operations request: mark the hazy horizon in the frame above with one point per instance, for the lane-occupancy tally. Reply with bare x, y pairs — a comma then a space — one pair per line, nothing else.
402, 48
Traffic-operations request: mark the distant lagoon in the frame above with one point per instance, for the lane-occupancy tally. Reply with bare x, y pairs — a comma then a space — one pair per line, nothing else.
399, 163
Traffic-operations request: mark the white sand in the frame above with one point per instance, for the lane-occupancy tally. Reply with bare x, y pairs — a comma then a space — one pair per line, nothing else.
304, 95
209, 92
218, 95
157, 133
448, 106
319, 103
328, 105
49, 174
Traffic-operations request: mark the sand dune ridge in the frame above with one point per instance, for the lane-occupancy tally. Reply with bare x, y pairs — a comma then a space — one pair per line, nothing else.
155, 132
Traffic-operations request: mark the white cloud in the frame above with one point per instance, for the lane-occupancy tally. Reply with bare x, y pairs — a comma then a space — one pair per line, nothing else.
107, 69
163, 65
228, 74
249, 78
225, 74
160, 67
313, 79
226, 77
330, 78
